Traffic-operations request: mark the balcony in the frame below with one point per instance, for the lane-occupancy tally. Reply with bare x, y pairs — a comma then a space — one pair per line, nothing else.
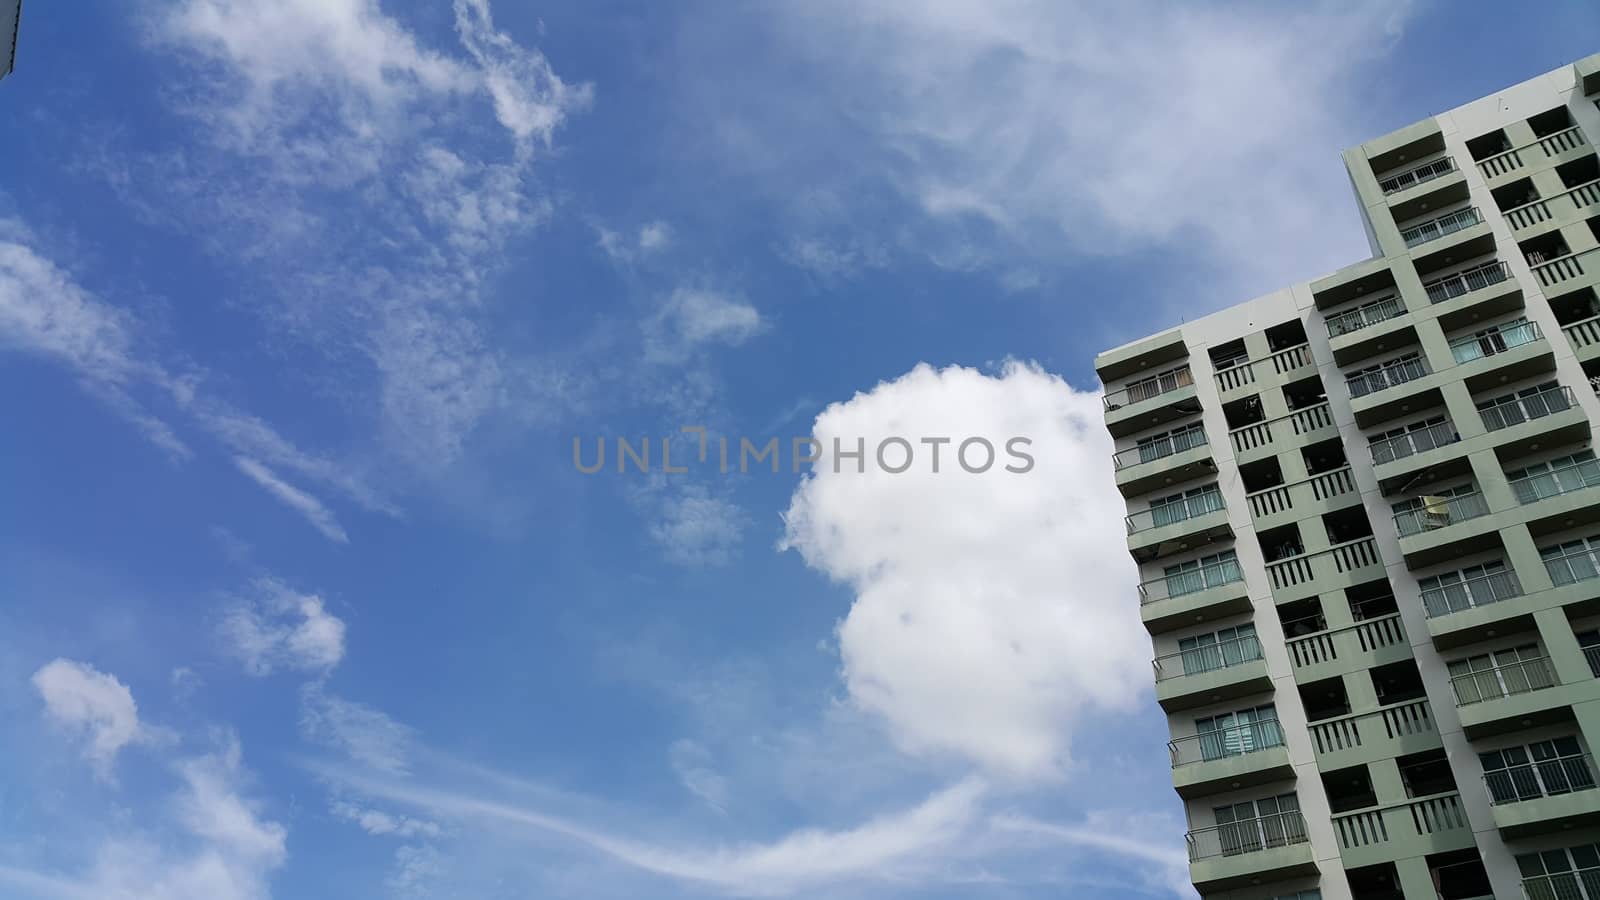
1268, 370
1311, 573
1405, 446
1306, 426
1503, 696
1237, 756
1194, 595
1584, 336
1390, 375
1428, 531
1325, 654
1573, 200
1513, 411
1470, 593
1175, 527
1551, 146
1433, 229
1369, 736
1150, 401
1469, 281
1494, 341
1249, 851
1591, 655
1171, 458
1417, 827
1574, 268
1363, 317
1320, 493
1210, 674
1549, 795
1571, 481
1562, 885
1405, 181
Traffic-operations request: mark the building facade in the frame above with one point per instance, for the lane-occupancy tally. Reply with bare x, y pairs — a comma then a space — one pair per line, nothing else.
1366, 512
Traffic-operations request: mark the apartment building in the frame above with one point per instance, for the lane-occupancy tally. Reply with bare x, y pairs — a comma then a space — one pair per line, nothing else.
1366, 512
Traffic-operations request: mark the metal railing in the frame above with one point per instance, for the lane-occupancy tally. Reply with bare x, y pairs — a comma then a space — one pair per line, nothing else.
1209, 658
1364, 316
1540, 778
1440, 513
1495, 340
1433, 229
1592, 654
1564, 480
1191, 581
1169, 444
1388, 450
1562, 885
1179, 511
1571, 568
1507, 680
1149, 388
1247, 835
1466, 281
1413, 177
1516, 410
1389, 375
1468, 593
1226, 742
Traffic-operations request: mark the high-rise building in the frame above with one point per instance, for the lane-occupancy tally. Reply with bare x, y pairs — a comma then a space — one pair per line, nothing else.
10, 17
1366, 513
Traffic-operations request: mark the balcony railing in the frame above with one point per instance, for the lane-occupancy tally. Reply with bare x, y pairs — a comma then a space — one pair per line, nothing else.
1364, 316
1516, 410
1243, 372
1323, 486
1150, 388
1562, 885
1160, 448
1247, 836
1434, 229
1563, 268
1495, 340
1414, 818
1532, 213
1411, 443
1350, 641
1191, 581
1583, 332
1507, 680
1540, 778
1564, 480
1301, 422
1390, 723
1390, 375
1571, 568
1470, 593
1592, 655
1336, 560
1209, 658
1440, 512
1465, 282
1231, 741
1178, 511
1413, 177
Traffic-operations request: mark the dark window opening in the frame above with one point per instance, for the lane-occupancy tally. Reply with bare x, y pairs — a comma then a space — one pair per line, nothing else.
1426, 773
1460, 875
1397, 682
1226, 356
1258, 476
1242, 412
1325, 699
1281, 543
1575, 306
1579, 171
1289, 334
1551, 121
1371, 600
1379, 882
1518, 193
1347, 525
1301, 617
1324, 457
1543, 248
1349, 789
1305, 392
1486, 145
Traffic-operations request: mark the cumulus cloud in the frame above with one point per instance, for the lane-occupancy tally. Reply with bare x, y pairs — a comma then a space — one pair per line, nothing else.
280, 629
991, 610
94, 705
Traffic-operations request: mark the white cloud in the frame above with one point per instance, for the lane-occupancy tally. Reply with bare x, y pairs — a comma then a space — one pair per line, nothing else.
693, 317
991, 610
1119, 834
692, 763
692, 525
222, 850
835, 258
320, 517
91, 703
277, 628
890, 847
654, 236
364, 734
1050, 126
378, 823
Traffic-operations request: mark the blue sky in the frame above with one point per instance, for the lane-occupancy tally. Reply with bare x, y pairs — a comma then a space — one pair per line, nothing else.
302, 305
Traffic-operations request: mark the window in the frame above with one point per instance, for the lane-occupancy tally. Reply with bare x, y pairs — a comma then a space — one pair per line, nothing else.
1465, 588
1539, 769
1569, 874
1187, 505
1257, 824
1502, 673
1170, 442
1555, 476
1200, 574
1219, 649
1238, 733
1494, 340
1529, 403
1572, 561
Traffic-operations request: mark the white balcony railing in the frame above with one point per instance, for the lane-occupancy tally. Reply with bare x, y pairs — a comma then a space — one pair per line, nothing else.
1470, 593
1390, 375
1411, 443
1465, 282
1516, 410
1364, 316
1440, 512
1494, 341
1433, 229
1149, 388
1413, 177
